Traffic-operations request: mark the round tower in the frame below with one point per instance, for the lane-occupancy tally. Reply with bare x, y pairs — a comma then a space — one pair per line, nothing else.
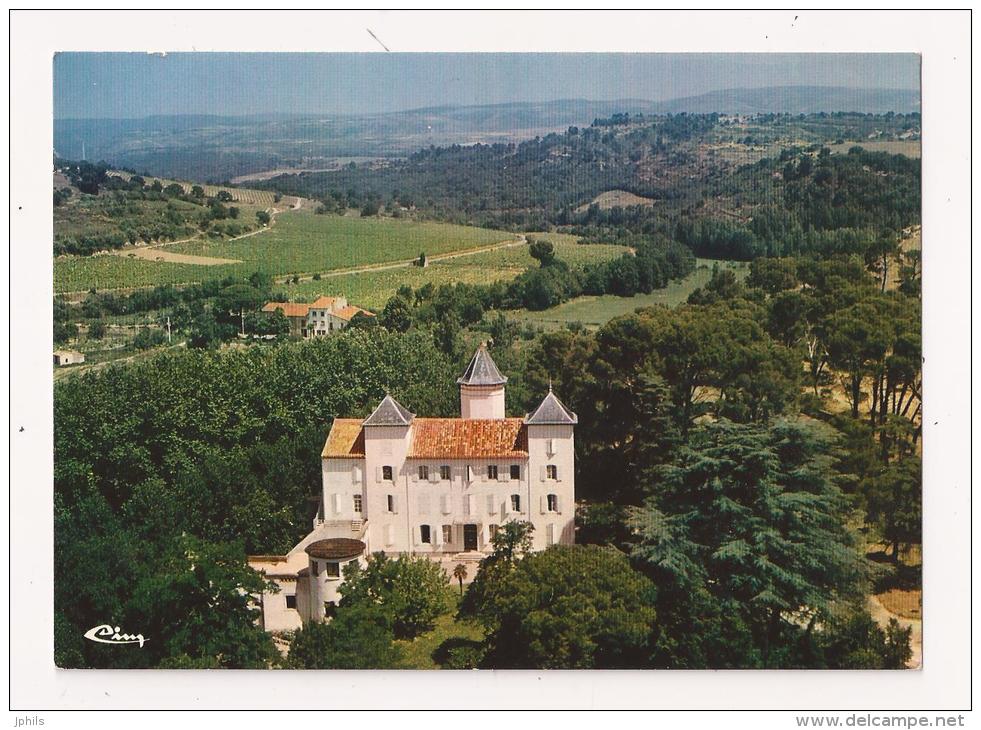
482, 387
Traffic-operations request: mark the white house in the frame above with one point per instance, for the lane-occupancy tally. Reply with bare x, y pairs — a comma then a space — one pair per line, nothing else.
323, 317
439, 487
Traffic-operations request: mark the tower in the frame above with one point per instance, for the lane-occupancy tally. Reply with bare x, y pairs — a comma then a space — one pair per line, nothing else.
482, 387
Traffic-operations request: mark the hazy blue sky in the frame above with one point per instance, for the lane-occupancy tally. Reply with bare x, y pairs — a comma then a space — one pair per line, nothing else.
106, 85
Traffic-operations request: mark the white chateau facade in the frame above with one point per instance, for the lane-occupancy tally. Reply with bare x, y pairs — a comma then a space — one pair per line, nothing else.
439, 487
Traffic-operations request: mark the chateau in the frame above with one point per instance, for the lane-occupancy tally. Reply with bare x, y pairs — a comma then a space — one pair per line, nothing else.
439, 487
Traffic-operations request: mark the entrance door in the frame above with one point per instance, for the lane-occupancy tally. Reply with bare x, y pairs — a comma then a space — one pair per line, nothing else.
469, 537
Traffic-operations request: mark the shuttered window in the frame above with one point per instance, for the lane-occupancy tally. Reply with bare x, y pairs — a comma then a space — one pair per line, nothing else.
447, 533
387, 473
553, 503
551, 471
515, 502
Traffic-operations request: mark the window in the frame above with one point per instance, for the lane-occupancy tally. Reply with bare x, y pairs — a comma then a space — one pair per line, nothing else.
330, 608
493, 530
387, 473
444, 473
357, 502
551, 471
447, 533
553, 503
315, 567
515, 471
515, 502
423, 473
549, 534
492, 471
332, 570
291, 601
391, 502
425, 534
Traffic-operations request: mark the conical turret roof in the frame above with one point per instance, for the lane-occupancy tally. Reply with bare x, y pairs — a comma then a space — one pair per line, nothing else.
482, 370
551, 411
389, 413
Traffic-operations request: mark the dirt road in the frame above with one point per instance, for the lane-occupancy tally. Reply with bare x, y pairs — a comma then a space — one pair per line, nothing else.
882, 615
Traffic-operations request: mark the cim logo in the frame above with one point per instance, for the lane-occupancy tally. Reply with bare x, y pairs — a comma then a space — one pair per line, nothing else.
106, 634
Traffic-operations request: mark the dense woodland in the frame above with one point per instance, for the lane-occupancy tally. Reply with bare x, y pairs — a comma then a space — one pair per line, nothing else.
748, 463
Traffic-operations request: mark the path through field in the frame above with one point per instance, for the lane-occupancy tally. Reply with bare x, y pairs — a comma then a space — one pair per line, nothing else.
371, 268
158, 252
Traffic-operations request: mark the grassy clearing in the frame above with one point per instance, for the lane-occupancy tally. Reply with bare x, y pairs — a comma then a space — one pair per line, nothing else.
299, 242
596, 311
373, 289
908, 147
418, 653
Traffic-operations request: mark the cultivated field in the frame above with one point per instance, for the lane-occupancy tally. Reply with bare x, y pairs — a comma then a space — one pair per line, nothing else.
372, 289
595, 311
614, 198
908, 147
300, 242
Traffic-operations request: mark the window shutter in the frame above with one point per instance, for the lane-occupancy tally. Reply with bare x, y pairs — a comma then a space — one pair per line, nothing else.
544, 473
435, 535
444, 503
558, 504
388, 535
417, 535
483, 474
502, 474
491, 506
558, 474
395, 503
468, 504
415, 474
378, 473
337, 503
469, 473
434, 474
356, 474
544, 503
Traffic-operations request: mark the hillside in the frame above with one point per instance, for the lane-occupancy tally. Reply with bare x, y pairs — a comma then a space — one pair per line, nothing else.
219, 148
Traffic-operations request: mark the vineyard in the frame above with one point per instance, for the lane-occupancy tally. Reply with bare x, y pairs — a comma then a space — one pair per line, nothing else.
300, 242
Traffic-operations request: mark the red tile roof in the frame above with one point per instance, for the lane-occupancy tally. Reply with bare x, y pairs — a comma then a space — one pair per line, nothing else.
349, 311
439, 438
466, 438
345, 440
324, 303
290, 309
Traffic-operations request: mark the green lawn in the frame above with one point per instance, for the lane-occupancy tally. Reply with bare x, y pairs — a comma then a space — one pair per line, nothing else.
372, 289
596, 311
418, 653
300, 242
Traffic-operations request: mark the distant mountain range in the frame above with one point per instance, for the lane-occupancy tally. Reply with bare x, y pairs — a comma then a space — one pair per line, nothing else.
211, 147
